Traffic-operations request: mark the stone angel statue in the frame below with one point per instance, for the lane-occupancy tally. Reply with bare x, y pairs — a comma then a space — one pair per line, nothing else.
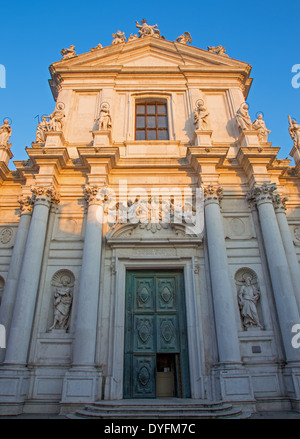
68, 53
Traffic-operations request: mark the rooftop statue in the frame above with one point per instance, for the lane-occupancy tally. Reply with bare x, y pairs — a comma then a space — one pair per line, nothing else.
220, 50
243, 118
294, 130
99, 46
146, 30
119, 37
42, 128
184, 38
68, 53
5, 133
260, 126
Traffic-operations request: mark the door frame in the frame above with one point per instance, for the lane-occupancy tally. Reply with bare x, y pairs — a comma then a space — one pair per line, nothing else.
114, 384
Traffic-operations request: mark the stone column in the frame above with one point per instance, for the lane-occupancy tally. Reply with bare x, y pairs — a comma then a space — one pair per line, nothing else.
234, 380
82, 382
23, 315
226, 327
11, 284
286, 305
280, 211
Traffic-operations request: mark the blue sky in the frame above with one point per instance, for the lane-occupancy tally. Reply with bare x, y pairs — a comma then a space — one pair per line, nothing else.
263, 33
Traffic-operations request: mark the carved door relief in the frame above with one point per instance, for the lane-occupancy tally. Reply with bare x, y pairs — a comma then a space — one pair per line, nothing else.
155, 325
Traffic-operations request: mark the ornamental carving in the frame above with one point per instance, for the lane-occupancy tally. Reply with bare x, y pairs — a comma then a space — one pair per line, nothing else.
98, 195
6, 235
261, 193
219, 50
279, 202
213, 193
26, 204
45, 192
118, 37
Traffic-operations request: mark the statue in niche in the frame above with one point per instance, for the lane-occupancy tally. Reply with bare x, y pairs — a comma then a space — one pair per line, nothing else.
104, 120
146, 30
184, 38
219, 50
260, 126
5, 133
62, 305
68, 53
242, 117
200, 116
248, 297
294, 130
119, 37
42, 128
56, 122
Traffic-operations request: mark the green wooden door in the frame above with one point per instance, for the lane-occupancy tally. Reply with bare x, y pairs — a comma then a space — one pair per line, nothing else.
155, 323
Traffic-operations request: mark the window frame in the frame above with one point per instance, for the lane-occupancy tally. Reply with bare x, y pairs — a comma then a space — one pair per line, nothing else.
157, 114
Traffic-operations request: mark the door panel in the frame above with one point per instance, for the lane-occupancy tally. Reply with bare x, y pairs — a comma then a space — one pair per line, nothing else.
155, 324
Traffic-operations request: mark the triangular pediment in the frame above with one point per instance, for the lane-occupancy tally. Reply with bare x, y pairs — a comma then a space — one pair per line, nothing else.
148, 52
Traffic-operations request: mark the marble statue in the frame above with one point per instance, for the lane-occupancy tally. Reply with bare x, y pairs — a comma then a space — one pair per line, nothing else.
184, 38
104, 120
5, 133
294, 130
62, 305
242, 117
119, 37
68, 53
200, 116
220, 50
248, 297
146, 30
57, 118
42, 128
260, 126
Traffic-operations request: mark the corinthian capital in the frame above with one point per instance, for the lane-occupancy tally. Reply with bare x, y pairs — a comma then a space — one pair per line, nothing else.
98, 194
279, 203
213, 193
45, 193
262, 193
26, 205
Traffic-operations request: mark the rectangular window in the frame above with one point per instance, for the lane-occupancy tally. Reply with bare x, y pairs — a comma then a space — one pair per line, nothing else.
151, 122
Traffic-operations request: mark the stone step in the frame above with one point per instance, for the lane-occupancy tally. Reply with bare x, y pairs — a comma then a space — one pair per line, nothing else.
127, 410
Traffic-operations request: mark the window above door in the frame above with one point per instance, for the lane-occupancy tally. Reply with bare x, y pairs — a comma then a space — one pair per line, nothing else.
151, 120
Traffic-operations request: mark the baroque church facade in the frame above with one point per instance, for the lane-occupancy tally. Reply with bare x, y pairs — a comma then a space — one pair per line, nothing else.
150, 243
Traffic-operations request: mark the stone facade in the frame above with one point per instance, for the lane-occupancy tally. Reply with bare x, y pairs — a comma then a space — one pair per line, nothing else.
63, 264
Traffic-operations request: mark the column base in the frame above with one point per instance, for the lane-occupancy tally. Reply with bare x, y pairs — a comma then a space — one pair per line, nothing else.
235, 383
82, 385
14, 386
